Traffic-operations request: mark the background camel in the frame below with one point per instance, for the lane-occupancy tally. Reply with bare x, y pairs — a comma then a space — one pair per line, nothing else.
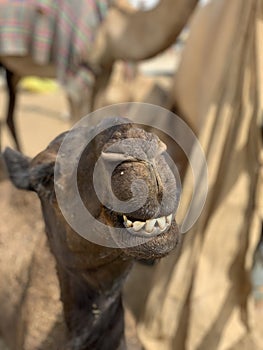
93, 71
90, 275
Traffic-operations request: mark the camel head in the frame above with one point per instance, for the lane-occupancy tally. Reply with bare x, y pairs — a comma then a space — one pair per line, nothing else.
135, 191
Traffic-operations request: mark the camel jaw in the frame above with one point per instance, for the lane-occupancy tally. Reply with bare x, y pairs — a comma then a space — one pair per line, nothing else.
156, 246
152, 245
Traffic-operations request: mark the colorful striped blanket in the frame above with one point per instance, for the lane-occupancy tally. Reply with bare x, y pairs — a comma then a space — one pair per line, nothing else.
60, 31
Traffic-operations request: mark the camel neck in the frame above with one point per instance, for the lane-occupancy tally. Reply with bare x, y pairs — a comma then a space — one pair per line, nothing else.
132, 37
94, 317
91, 278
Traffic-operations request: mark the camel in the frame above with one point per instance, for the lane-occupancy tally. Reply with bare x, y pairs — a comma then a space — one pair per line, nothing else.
48, 40
139, 35
123, 34
90, 276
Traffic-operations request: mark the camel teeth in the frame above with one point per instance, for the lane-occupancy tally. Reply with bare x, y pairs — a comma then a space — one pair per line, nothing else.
137, 225
161, 222
150, 225
169, 219
127, 222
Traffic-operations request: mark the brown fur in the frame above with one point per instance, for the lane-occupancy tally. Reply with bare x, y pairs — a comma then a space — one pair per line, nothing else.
90, 276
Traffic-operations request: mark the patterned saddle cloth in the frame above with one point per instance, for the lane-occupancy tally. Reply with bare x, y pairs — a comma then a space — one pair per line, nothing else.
60, 31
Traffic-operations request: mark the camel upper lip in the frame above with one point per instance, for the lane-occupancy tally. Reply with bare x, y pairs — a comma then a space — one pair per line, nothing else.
148, 228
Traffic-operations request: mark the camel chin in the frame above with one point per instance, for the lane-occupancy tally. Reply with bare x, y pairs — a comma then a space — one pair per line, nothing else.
161, 235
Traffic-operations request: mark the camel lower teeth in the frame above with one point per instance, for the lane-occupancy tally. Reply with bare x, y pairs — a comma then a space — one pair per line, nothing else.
150, 226
161, 222
137, 225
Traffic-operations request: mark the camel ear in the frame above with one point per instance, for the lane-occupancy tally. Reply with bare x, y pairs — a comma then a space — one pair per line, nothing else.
18, 168
26, 176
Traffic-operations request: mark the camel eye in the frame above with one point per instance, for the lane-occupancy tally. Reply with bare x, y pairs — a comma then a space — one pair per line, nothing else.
122, 172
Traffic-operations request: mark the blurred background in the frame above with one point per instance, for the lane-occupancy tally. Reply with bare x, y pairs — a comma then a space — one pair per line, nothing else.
200, 59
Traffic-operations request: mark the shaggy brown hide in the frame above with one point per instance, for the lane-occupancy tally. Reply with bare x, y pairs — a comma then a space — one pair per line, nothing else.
91, 275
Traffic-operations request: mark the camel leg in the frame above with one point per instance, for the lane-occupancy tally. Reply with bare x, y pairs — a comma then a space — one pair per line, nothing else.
12, 81
102, 82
